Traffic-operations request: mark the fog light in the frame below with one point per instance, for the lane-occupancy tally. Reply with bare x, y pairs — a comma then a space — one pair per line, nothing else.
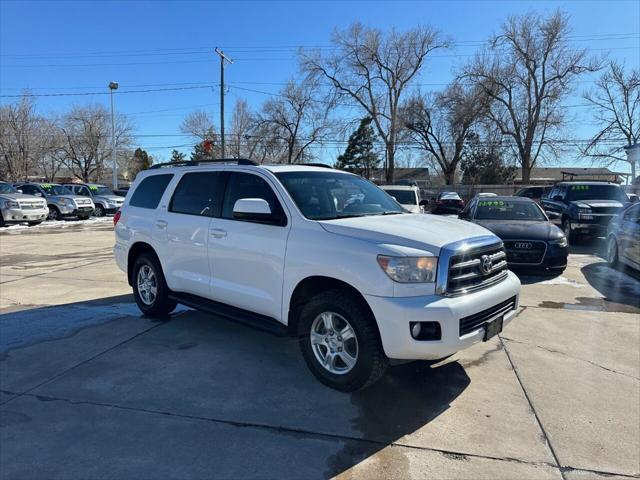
415, 330
425, 330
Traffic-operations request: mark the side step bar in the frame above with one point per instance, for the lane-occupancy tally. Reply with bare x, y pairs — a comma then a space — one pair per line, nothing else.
255, 320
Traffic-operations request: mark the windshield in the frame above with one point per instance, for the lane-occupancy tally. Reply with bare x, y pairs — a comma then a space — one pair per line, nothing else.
508, 210
55, 189
596, 192
6, 188
100, 190
329, 195
406, 197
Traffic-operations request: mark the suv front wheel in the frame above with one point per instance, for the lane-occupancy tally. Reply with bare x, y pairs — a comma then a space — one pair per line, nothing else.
339, 341
149, 287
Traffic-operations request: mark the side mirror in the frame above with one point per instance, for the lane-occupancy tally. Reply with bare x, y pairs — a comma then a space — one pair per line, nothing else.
38, 194
256, 210
553, 215
19, 191
634, 199
464, 216
424, 203
557, 198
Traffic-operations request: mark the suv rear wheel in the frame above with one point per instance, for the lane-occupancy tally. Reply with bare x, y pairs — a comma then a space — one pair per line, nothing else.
571, 235
339, 341
149, 287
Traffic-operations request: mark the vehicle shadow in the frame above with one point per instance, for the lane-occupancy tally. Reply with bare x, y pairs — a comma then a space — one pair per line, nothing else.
199, 366
619, 286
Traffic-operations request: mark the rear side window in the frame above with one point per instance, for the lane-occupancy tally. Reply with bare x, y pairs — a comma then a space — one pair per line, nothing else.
150, 191
197, 194
246, 185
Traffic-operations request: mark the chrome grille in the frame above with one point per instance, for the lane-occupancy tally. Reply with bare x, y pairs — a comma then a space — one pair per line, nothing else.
525, 251
606, 210
475, 268
31, 206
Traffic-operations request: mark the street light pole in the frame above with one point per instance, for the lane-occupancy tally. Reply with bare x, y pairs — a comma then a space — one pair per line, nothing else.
114, 166
223, 57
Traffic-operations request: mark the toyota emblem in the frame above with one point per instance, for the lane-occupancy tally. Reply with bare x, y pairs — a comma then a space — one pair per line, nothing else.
523, 245
486, 264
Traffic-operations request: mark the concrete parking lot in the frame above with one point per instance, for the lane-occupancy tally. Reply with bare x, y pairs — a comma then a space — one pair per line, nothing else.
89, 389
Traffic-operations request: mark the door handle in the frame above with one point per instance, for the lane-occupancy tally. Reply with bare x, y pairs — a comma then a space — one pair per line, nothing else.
218, 233
161, 224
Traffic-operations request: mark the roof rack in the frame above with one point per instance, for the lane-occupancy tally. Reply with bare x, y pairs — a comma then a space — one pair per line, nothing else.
189, 163
321, 165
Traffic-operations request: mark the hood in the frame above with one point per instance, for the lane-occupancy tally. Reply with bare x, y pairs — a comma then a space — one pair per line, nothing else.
408, 230
20, 196
111, 198
522, 229
598, 203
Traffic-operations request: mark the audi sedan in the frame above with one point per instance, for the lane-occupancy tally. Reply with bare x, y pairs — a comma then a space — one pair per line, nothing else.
531, 241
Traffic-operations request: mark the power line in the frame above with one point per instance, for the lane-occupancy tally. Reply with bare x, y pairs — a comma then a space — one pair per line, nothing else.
79, 94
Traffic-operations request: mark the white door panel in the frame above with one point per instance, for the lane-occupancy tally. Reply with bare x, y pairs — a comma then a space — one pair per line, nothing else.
247, 263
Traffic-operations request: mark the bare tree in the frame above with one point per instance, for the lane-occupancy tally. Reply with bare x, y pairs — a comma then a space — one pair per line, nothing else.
51, 159
374, 69
200, 126
297, 118
616, 102
527, 71
25, 139
86, 133
242, 142
441, 123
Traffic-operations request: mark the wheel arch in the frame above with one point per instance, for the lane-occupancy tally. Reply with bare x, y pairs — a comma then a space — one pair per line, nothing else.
313, 285
137, 249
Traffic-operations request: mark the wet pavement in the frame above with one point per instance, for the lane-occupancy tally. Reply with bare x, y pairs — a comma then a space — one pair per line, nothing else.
89, 389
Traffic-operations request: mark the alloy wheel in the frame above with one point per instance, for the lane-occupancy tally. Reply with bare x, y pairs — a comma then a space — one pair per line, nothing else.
334, 343
147, 285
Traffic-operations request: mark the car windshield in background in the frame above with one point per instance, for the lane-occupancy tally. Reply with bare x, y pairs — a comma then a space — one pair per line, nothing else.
6, 188
596, 192
55, 189
329, 195
100, 190
406, 197
508, 210
450, 196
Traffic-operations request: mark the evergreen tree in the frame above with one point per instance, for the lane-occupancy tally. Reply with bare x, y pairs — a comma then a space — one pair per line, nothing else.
482, 164
200, 153
141, 161
360, 156
177, 156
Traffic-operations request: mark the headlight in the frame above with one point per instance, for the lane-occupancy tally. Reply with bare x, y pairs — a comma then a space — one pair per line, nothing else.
561, 242
409, 269
10, 204
65, 202
585, 213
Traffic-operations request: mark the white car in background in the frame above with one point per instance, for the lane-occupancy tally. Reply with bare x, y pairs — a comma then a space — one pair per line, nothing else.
408, 196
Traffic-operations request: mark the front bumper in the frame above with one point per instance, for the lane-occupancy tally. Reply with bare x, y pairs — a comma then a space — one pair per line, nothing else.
596, 227
393, 315
79, 212
555, 258
17, 215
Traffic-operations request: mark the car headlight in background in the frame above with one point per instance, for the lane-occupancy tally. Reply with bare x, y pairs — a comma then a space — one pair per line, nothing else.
585, 213
9, 204
65, 203
560, 242
409, 269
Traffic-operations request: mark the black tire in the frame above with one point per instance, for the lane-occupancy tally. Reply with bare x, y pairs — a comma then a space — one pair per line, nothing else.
99, 211
84, 217
162, 305
572, 236
54, 213
612, 252
371, 362
33, 224
2, 224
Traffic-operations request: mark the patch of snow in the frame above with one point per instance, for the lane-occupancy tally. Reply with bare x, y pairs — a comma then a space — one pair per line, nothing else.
561, 281
48, 224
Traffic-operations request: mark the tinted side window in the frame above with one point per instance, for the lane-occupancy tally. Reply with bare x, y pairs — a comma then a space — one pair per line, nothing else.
196, 194
29, 189
150, 190
246, 185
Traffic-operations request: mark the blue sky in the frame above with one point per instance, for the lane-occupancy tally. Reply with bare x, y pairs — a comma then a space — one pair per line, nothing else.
78, 47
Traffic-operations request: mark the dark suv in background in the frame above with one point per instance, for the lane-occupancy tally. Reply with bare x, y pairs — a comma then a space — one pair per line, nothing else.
585, 208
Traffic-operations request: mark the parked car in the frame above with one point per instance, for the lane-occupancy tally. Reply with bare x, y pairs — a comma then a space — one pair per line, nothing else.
534, 193
623, 238
585, 208
531, 241
15, 207
279, 247
61, 201
633, 198
121, 192
407, 196
105, 201
485, 195
448, 203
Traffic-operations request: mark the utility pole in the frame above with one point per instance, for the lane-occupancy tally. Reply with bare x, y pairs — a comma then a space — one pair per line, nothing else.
223, 57
113, 86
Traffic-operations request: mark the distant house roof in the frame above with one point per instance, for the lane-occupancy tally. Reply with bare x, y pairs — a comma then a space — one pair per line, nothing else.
557, 174
402, 174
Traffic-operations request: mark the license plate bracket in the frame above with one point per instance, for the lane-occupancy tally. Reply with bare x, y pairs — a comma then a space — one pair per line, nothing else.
492, 328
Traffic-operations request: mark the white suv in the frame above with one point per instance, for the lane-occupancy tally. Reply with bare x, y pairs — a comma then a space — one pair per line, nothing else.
316, 253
